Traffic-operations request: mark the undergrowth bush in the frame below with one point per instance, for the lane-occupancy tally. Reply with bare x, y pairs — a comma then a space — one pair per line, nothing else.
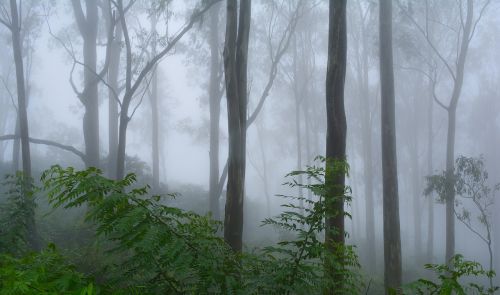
451, 279
151, 248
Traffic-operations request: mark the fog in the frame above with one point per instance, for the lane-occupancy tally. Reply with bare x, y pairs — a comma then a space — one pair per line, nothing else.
287, 66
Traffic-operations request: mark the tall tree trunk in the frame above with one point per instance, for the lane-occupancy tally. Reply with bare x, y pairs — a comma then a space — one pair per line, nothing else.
22, 115
265, 177
297, 90
87, 25
416, 193
155, 148
214, 102
366, 125
21, 90
450, 140
335, 135
235, 68
392, 238
155, 145
430, 199
113, 96
309, 155
122, 138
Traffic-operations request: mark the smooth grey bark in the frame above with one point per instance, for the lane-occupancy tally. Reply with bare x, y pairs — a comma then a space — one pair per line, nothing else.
309, 155
284, 43
392, 238
15, 30
335, 137
297, 87
87, 25
430, 199
155, 143
265, 178
416, 186
21, 90
235, 69
450, 139
367, 145
215, 95
113, 90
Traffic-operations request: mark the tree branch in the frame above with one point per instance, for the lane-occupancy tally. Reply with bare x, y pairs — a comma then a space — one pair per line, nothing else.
68, 148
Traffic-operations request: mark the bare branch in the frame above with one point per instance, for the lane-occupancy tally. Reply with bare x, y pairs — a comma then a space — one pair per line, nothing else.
283, 46
429, 41
68, 148
481, 13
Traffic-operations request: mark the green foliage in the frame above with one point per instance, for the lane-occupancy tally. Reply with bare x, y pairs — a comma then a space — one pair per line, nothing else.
162, 249
470, 183
451, 279
299, 261
16, 214
42, 273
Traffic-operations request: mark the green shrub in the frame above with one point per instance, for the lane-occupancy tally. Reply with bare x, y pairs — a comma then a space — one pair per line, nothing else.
450, 279
40, 273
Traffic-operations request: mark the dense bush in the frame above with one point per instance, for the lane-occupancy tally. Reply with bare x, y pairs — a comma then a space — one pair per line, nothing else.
143, 246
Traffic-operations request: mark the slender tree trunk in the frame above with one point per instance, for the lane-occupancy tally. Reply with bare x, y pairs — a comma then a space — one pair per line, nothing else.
367, 145
22, 116
264, 167
309, 155
392, 238
21, 90
122, 139
235, 68
87, 25
113, 96
450, 198
335, 137
297, 90
416, 178
430, 199
416, 194
91, 116
155, 146
214, 101
450, 140
367, 158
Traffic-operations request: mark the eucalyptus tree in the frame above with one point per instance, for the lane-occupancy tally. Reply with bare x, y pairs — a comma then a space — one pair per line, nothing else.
361, 21
215, 93
235, 70
460, 25
335, 136
114, 87
392, 239
153, 99
22, 23
30, 29
235, 56
12, 19
88, 22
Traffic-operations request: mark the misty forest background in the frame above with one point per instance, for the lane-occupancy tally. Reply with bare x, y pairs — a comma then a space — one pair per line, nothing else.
180, 128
